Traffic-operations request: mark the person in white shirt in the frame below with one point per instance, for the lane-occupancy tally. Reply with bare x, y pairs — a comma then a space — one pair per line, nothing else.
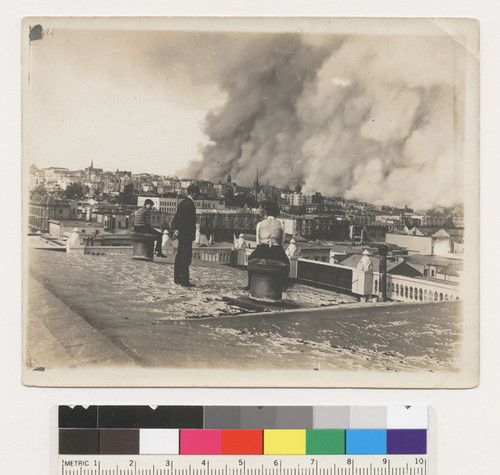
270, 238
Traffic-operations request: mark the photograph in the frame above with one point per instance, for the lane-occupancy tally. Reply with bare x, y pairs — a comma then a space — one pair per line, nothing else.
250, 202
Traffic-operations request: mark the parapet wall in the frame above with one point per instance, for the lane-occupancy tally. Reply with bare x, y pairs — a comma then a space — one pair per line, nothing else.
355, 281
101, 250
367, 283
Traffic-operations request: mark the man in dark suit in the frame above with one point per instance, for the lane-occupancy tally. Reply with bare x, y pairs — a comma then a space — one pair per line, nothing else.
184, 225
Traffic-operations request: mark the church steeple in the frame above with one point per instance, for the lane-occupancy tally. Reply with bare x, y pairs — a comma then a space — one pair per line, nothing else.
256, 184
298, 186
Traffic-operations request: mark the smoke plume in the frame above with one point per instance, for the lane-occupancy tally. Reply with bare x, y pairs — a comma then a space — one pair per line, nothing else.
370, 118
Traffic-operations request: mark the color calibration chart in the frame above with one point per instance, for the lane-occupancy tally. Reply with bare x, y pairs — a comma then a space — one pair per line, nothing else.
243, 440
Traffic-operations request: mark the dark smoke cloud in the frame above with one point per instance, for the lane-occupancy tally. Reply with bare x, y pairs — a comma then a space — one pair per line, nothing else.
259, 125
369, 118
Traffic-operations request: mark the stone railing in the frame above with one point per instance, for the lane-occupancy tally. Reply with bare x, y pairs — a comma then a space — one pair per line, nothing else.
410, 289
367, 283
109, 250
100, 250
213, 254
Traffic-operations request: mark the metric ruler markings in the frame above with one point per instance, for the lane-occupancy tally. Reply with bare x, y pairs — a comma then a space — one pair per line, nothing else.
336, 471
167, 440
289, 465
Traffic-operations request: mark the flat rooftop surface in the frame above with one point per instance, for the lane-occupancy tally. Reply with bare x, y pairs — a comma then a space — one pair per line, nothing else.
89, 311
112, 283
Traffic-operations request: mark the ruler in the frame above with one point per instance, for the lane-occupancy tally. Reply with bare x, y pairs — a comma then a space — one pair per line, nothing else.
170, 440
243, 465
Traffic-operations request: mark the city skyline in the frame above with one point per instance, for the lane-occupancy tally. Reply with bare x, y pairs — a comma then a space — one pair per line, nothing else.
203, 104
456, 209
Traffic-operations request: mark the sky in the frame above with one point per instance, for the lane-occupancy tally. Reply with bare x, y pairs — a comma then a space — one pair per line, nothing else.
372, 117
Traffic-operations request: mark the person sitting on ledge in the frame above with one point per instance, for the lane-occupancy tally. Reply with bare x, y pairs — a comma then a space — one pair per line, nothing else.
270, 238
142, 224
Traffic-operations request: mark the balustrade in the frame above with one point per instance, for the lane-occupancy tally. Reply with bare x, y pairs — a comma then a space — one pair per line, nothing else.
407, 289
216, 254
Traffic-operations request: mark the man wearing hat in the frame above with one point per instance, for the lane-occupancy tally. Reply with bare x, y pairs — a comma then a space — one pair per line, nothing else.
184, 225
142, 224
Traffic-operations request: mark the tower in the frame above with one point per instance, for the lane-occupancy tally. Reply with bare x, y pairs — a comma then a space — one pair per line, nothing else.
298, 187
256, 183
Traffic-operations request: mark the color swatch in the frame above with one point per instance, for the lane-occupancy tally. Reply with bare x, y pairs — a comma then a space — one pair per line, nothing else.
325, 442
245, 430
366, 441
200, 442
241, 442
119, 441
284, 442
158, 441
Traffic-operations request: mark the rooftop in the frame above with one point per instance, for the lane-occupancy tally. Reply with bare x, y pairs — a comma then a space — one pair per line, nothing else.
76, 223
433, 260
88, 311
353, 261
148, 288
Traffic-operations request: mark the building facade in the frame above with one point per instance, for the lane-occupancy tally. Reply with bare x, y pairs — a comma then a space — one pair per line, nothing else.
44, 208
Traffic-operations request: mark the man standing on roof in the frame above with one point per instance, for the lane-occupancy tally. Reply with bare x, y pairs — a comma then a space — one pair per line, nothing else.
184, 225
142, 224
